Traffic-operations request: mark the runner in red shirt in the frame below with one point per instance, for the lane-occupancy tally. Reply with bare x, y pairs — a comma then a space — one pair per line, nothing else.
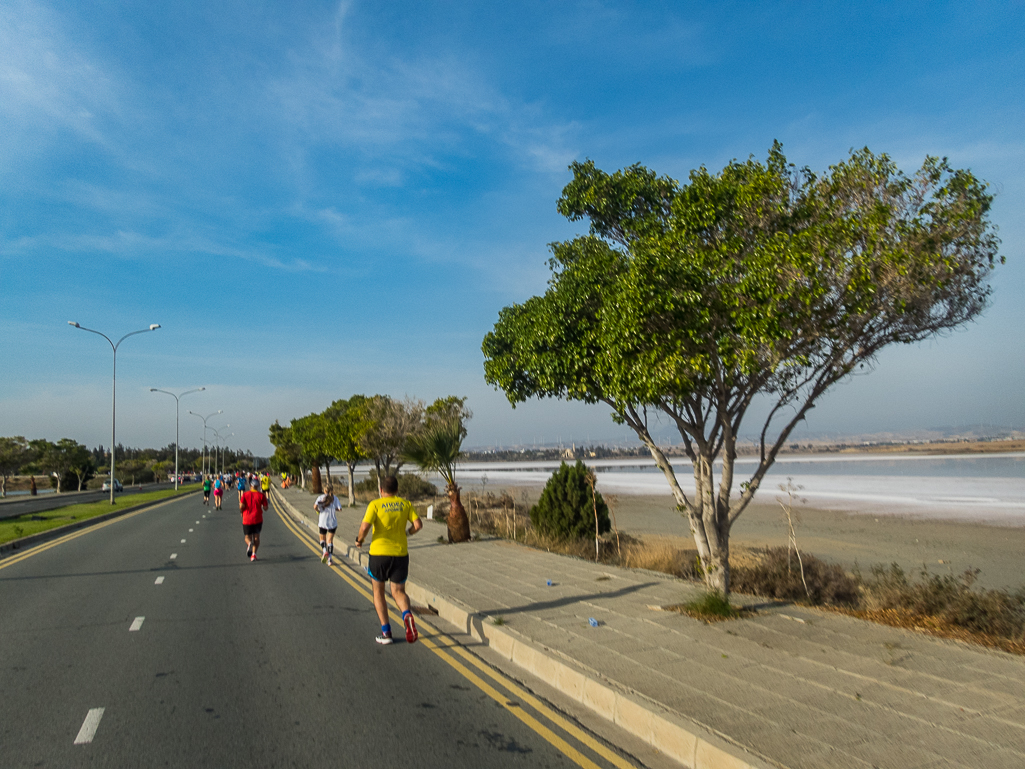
252, 504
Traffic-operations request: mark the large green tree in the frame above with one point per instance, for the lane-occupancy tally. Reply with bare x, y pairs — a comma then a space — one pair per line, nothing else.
288, 455
311, 432
389, 424
15, 453
61, 460
347, 422
689, 302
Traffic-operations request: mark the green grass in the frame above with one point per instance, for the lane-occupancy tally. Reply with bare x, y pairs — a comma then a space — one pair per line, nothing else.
33, 523
711, 607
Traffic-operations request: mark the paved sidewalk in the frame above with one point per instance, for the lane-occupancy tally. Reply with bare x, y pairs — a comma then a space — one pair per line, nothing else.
789, 686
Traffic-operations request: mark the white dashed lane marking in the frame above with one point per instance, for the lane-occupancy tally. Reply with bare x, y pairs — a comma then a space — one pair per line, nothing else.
89, 726
160, 581
173, 556
137, 623
183, 541
191, 530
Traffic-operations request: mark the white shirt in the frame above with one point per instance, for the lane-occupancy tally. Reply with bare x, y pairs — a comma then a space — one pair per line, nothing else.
328, 519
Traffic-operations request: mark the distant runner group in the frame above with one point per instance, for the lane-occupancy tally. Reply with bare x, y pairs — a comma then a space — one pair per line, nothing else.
387, 518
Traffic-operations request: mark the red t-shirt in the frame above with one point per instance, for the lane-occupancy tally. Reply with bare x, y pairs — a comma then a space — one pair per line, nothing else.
253, 505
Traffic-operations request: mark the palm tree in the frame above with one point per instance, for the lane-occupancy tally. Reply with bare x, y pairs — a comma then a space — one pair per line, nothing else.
436, 449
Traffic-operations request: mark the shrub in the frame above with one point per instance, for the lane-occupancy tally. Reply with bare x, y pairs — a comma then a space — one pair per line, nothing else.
566, 509
711, 607
411, 486
778, 575
950, 598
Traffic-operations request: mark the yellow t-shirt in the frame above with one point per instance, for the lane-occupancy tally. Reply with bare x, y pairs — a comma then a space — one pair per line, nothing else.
389, 516
265, 483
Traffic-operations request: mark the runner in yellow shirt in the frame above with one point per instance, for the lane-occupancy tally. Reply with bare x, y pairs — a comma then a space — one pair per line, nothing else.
389, 554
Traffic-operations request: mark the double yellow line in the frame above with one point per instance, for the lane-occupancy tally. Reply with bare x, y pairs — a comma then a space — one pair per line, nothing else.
476, 672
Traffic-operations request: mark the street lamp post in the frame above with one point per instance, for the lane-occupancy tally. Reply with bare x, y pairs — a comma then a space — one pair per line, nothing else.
204, 418
224, 450
113, 389
176, 397
217, 443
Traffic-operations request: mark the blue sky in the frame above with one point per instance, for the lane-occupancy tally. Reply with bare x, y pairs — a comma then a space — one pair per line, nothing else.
316, 199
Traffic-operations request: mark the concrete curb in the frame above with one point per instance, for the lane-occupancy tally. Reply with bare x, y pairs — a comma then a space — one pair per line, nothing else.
16, 545
668, 732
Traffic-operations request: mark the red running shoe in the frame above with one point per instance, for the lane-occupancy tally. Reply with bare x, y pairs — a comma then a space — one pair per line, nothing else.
411, 633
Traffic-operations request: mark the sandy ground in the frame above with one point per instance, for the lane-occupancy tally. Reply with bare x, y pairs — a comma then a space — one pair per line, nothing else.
943, 547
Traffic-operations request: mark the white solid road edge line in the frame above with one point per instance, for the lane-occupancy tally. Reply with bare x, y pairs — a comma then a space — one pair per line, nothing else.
160, 581
89, 726
137, 623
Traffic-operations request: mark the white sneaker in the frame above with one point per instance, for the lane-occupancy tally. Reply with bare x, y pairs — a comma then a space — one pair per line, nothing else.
324, 556
385, 639
330, 561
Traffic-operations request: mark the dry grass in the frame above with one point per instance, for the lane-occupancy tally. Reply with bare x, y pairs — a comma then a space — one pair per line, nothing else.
934, 626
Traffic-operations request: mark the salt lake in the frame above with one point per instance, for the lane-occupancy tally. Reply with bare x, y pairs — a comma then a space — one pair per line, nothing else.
989, 487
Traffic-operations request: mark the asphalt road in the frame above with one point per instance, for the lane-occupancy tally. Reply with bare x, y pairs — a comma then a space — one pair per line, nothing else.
22, 505
228, 663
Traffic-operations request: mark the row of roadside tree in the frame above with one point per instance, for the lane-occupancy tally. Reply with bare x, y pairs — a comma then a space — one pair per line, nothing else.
384, 432
70, 465
67, 463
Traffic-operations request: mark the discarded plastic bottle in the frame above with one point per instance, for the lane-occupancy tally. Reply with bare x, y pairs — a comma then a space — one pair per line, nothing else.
549, 583
592, 622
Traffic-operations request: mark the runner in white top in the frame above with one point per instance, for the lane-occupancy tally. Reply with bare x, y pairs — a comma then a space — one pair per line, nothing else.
327, 505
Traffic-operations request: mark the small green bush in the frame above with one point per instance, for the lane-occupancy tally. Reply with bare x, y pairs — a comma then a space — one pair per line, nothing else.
711, 606
565, 509
411, 486
779, 576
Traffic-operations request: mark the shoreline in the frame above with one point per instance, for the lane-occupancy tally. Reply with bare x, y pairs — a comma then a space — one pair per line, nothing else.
851, 539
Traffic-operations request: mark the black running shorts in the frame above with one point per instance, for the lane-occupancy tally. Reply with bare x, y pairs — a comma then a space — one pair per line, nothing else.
389, 568
206, 493
324, 531
251, 528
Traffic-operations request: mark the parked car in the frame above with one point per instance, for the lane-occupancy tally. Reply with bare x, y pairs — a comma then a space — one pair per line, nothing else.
117, 485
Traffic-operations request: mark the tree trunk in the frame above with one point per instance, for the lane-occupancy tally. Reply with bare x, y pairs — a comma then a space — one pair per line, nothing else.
327, 473
315, 484
3, 488
352, 491
710, 531
458, 522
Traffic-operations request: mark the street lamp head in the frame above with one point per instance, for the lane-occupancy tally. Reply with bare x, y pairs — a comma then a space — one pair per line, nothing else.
153, 389
201, 389
72, 323
152, 326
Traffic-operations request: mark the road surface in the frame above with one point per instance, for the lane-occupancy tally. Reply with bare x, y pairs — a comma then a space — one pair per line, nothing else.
151, 640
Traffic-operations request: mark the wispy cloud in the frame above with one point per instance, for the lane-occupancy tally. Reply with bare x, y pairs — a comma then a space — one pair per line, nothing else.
48, 83
130, 245
401, 113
